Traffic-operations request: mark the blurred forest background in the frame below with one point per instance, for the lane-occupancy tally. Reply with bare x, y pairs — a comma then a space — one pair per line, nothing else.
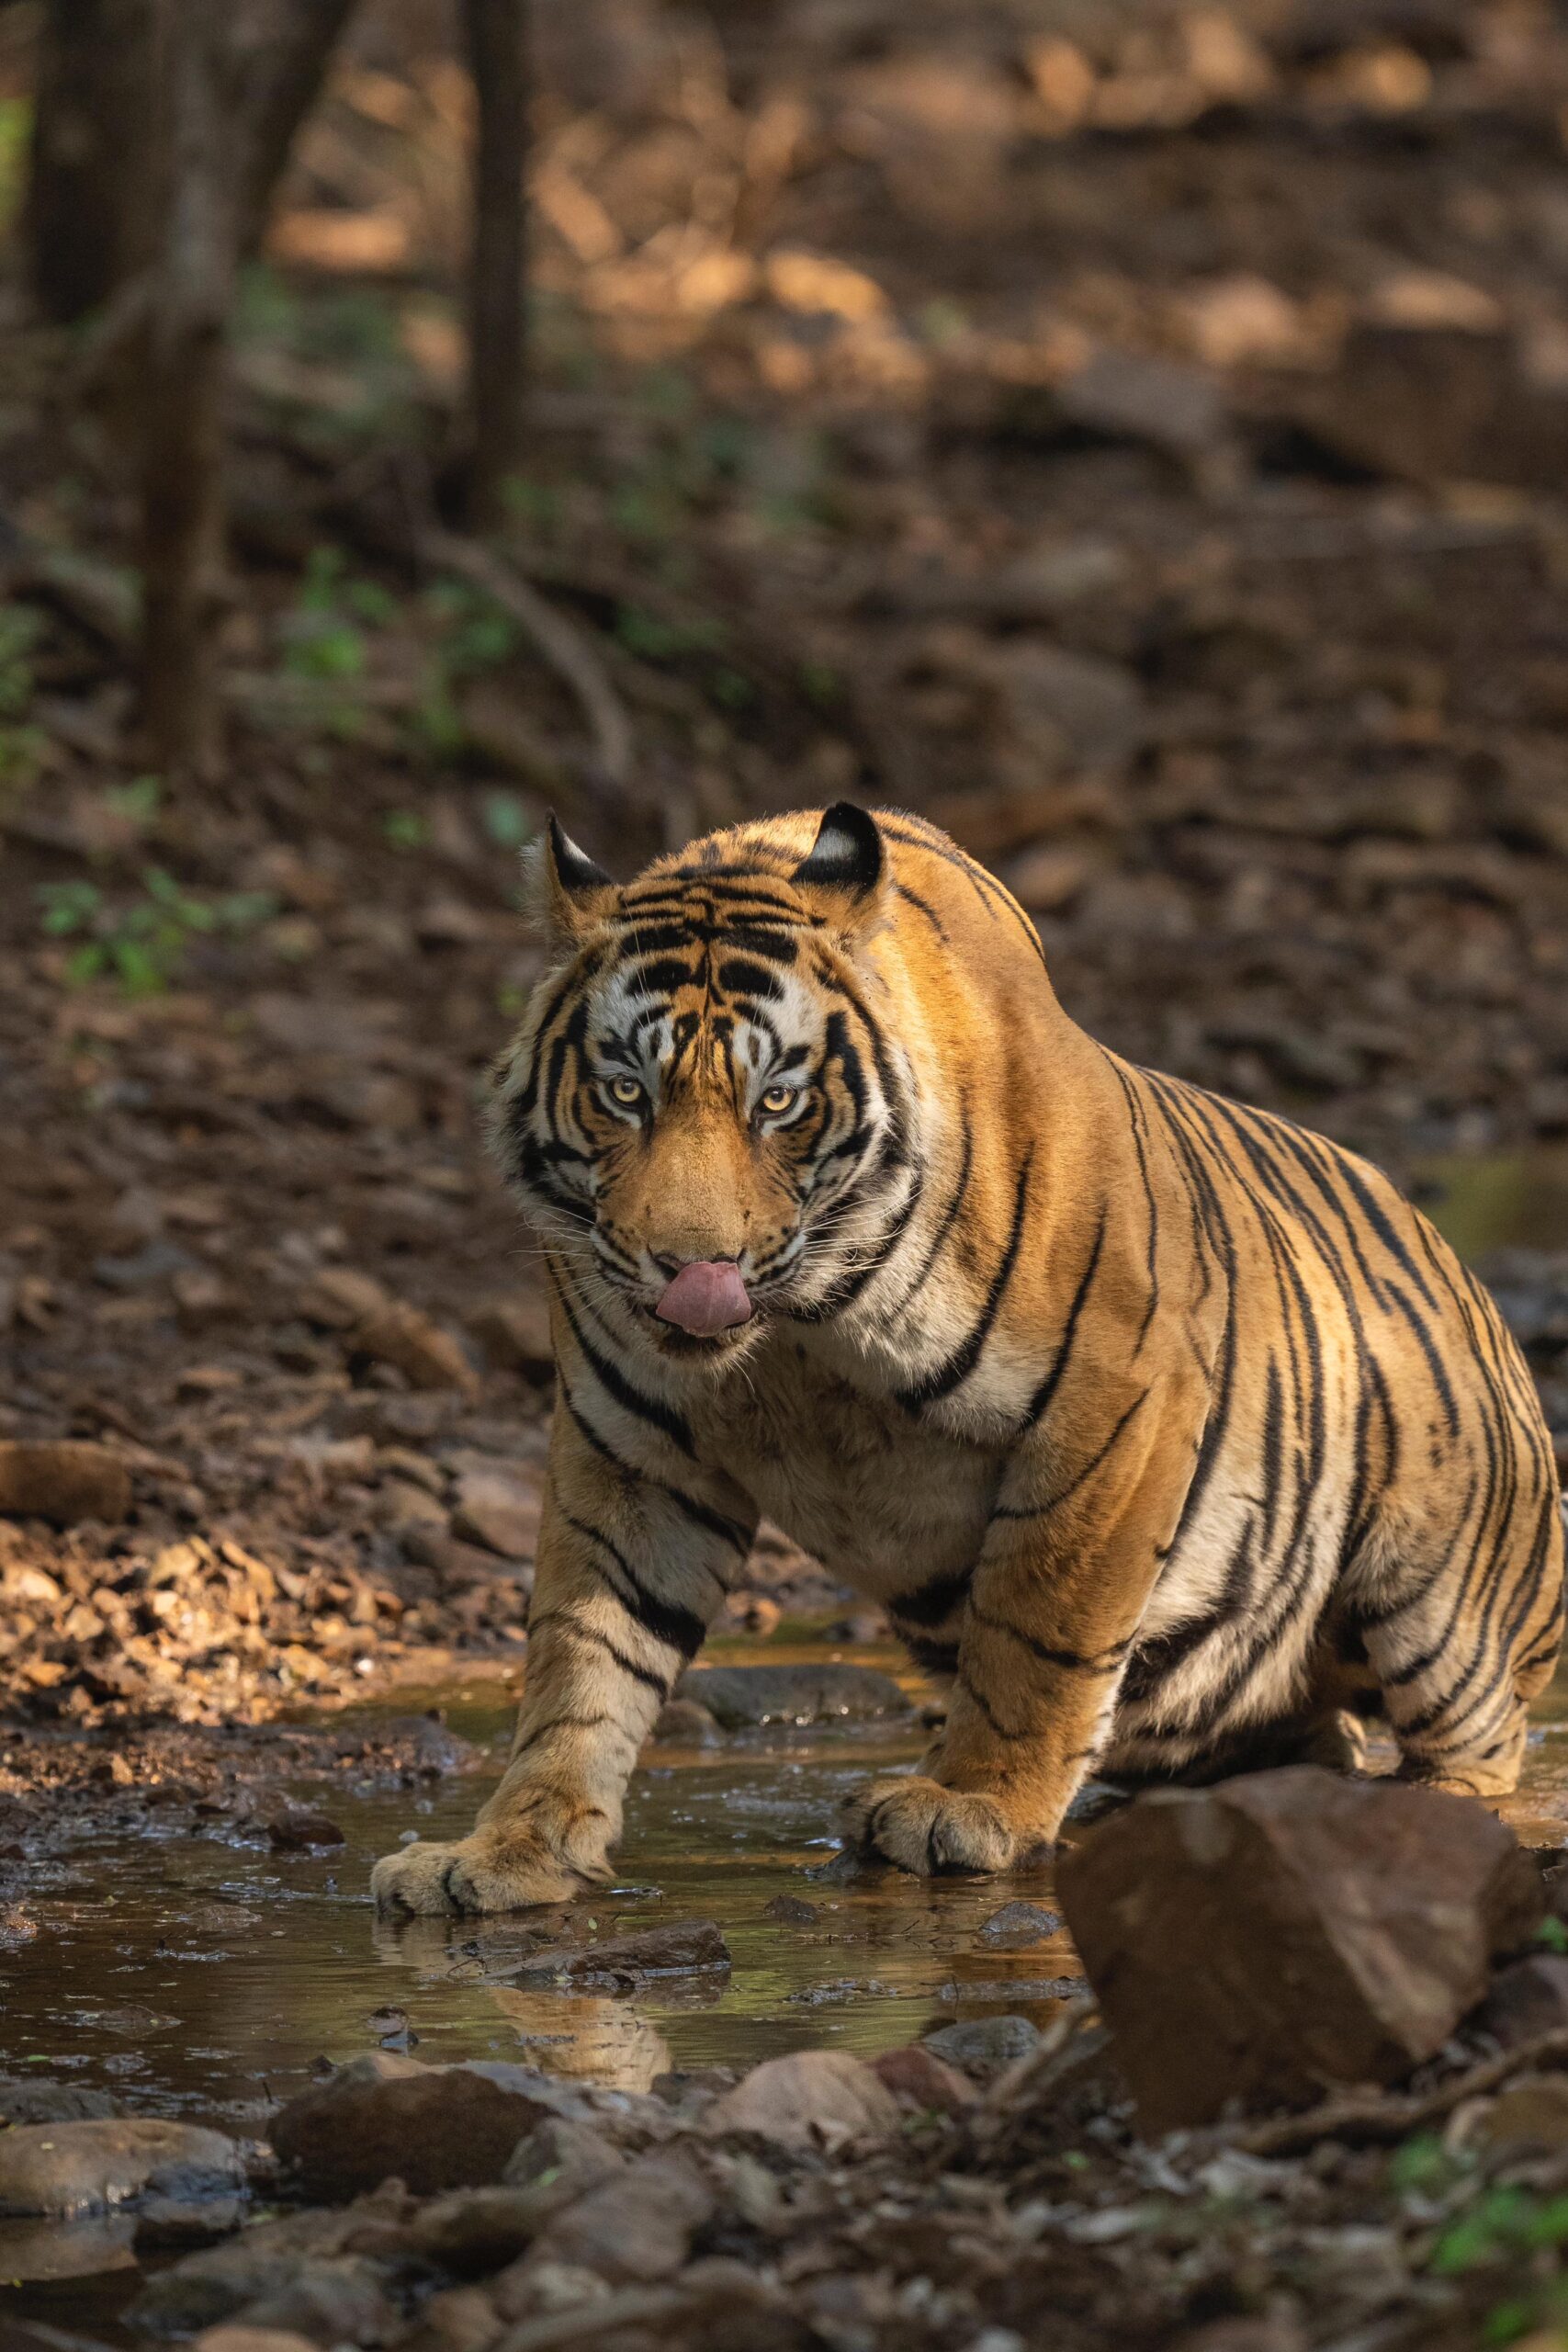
1133, 432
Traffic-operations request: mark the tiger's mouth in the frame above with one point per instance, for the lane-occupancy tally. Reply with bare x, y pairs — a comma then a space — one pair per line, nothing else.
707, 1297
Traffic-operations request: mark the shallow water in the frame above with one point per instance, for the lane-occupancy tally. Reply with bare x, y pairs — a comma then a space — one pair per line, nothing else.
194, 1975
1485, 1201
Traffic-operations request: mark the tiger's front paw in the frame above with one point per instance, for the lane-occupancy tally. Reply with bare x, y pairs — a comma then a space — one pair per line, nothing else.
927, 1829
477, 1874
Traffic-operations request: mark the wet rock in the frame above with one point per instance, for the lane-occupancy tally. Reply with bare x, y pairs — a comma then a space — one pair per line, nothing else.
1530, 1998
681, 1722
22, 2101
242, 2279
1015, 1988
1255, 1941
170, 2225
77, 2168
295, 1830
1018, 1925
638, 2226
622, 1963
88, 2248
63, 1480
791, 1912
516, 1335
742, 1697
984, 2047
388, 2117
813, 2099
498, 1511
918, 2078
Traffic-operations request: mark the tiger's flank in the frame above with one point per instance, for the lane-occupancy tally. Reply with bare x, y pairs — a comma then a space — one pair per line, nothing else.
1170, 1434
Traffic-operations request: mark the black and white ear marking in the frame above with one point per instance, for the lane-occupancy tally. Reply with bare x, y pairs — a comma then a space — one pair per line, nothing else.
575, 870
847, 853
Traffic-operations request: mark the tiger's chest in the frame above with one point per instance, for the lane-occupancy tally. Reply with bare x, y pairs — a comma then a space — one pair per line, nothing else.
878, 1499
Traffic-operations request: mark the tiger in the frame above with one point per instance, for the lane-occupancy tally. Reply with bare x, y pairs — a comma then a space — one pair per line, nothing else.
1166, 1433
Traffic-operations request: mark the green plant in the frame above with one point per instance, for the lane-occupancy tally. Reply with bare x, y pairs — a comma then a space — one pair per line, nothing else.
21, 745
405, 829
505, 819
143, 944
15, 139
138, 800
471, 633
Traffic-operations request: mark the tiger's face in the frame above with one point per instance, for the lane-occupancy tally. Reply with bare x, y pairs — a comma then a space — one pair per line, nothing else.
700, 1093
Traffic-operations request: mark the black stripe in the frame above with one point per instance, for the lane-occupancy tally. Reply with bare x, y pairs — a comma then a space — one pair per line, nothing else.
933, 1602
665, 1621
579, 1631
737, 1538
1097, 1462
945, 1377
652, 1409
1040, 1403
1106, 1661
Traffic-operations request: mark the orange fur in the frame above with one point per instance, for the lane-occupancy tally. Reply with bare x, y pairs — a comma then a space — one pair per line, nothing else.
1161, 1426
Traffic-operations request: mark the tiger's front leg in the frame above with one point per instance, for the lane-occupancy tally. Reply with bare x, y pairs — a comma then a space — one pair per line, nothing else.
630, 1572
1041, 1639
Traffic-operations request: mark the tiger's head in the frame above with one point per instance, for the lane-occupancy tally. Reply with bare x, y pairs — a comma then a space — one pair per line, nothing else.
701, 1093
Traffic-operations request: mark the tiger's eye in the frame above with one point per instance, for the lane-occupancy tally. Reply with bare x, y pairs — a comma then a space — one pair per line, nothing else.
778, 1098
625, 1091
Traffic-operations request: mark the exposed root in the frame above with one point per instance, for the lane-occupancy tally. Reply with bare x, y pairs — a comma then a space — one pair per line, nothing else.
553, 638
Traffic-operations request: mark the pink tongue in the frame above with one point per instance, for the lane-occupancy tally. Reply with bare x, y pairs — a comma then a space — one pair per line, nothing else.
705, 1297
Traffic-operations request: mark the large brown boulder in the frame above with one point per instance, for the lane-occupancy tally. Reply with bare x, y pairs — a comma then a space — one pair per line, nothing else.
1258, 1940
379, 2117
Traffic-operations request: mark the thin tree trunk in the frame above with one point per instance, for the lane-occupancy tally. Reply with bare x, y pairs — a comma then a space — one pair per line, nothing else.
497, 328
286, 48
185, 376
92, 206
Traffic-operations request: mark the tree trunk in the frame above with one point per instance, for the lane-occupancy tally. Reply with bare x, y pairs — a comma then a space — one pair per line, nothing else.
285, 47
94, 201
183, 383
497, 328
92, 207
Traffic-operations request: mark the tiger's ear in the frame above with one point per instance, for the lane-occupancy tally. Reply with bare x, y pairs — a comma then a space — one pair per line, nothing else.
847, 865
564, 891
